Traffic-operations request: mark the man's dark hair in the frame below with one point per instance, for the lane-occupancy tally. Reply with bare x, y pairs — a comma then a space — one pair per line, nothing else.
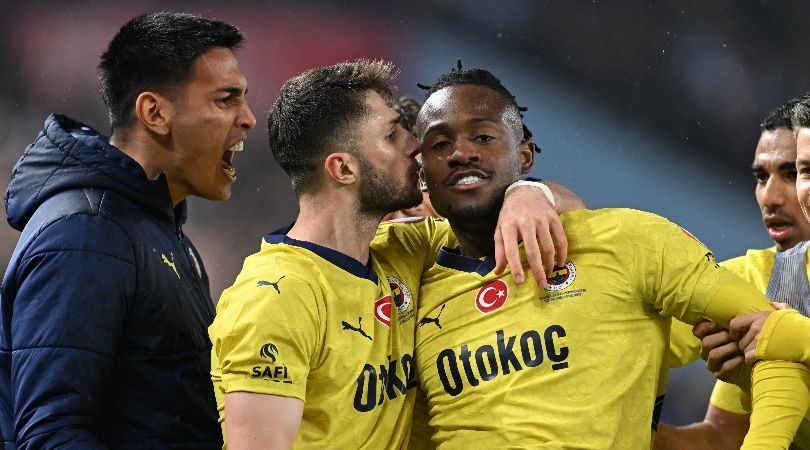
479, 77
780, 117
800, 114
156, 52
408, 109
317, 111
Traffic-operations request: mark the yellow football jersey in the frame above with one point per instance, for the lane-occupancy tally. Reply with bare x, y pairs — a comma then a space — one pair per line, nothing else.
756, 267
308, 322
580, 364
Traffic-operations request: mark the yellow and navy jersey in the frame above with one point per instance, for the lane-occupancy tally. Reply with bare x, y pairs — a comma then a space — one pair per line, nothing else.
308, 322
756, 266
579, 364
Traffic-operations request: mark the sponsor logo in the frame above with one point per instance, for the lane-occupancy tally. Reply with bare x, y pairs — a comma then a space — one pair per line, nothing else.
276, 373
491, 296
382, 310
358, 328
170, 263
274, 284
269, 351
434, 320
562, 277
465, 367
378, 383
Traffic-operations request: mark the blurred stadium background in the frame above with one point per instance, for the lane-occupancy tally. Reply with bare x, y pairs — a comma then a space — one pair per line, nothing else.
650, 105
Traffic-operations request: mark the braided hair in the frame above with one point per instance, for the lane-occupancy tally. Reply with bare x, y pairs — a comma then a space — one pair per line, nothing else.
479, 77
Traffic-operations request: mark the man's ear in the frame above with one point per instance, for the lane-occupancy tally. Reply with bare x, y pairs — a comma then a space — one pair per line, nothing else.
526, 155
155, 112
342, 167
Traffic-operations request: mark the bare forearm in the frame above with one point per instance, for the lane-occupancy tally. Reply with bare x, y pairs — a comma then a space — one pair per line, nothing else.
566, 199
697, 436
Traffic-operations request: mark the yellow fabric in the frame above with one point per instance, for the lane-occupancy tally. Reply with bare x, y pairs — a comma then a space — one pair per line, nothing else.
785, 335
756, 267
684, 347
780, 401
315, 335
580, 365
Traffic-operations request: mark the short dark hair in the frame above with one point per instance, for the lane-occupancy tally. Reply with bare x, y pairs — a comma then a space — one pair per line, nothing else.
318, 110
156, 51
780, 117
408, 109
479, 77
800, 114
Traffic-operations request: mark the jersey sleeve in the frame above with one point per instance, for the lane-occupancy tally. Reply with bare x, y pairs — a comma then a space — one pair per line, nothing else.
688, 285
729, 397
420, 241
785, 335
264, 340
677, 273
780, 399
684, 347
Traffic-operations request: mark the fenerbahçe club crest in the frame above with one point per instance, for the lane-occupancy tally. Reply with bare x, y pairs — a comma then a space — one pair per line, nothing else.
400, 297
562, 277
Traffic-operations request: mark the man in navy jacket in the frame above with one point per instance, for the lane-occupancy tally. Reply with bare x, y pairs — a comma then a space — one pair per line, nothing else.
105, 302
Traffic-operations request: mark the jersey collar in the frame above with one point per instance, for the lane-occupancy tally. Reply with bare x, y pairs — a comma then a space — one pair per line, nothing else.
335, 257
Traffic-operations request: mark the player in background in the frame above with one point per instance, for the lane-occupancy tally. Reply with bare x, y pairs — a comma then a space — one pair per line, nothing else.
783, 333
105, 302
408, 109
780, 272
578, 364
313, 344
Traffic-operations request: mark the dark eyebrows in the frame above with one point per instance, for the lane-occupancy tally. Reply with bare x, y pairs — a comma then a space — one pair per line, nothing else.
233, 90
802, 162
787, 165
441, 126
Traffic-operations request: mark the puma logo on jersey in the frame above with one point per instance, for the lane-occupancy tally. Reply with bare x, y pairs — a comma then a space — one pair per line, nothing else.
358, 328
270, 283
170, 263
433, 320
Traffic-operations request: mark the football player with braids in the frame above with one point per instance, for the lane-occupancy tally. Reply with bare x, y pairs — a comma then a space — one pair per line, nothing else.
313, 343
580, 362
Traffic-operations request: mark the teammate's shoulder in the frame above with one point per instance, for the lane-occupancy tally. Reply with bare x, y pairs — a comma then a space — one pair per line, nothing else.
411, 227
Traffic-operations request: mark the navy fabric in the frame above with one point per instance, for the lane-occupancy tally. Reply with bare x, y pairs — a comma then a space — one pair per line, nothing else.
104, 307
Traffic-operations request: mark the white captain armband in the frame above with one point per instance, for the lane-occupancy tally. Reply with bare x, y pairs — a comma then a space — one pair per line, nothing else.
538, 185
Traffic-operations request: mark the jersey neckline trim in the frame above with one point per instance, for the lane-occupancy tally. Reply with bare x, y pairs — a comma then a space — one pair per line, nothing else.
335, 257
453, 259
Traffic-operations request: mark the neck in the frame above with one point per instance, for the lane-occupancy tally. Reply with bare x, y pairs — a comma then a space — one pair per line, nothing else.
330, 219
476, 239
143, 150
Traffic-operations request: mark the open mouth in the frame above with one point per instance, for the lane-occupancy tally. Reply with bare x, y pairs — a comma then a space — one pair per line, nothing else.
227, 159
467, 179
778, 229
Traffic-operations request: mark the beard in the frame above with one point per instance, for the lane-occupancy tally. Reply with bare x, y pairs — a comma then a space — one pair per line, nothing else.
478, 213
379, 195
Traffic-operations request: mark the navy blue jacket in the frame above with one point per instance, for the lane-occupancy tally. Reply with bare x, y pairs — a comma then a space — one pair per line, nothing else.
104, 307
